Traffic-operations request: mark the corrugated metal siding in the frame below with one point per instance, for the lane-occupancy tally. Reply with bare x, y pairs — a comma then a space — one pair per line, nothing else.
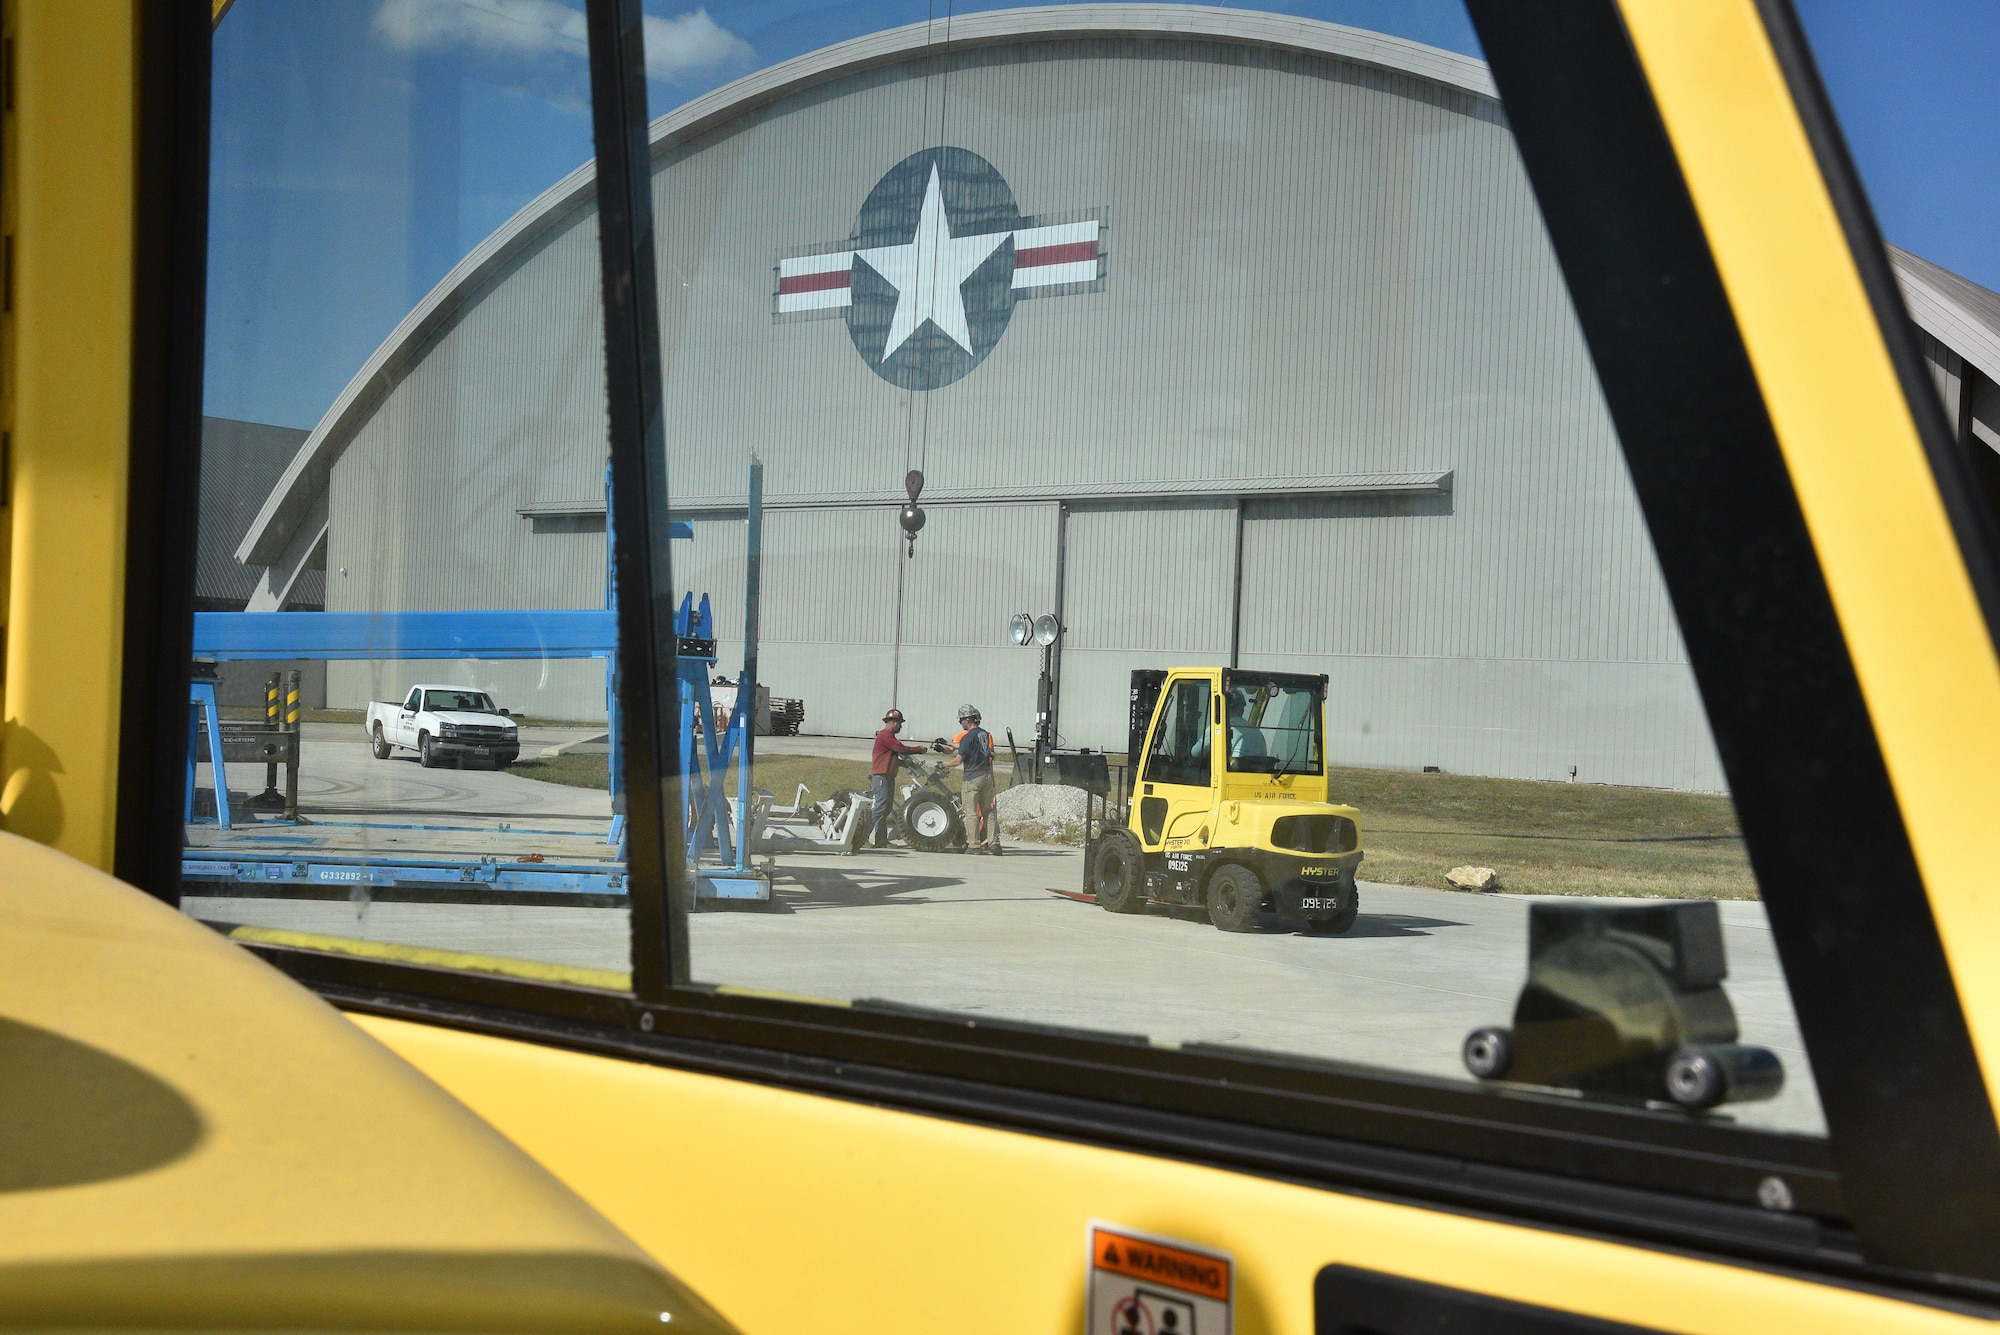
240, 463
1315, 269
1307, 260
829, 610
505, 409
975, 567
1947, 370
1143, 586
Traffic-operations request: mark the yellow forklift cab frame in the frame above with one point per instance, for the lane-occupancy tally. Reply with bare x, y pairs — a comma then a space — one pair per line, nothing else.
806, 1166
1228, 807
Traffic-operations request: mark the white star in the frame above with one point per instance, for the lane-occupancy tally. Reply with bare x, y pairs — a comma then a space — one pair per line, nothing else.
927, 273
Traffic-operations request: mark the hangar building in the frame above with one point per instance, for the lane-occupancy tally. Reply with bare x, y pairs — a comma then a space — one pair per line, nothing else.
1245, 345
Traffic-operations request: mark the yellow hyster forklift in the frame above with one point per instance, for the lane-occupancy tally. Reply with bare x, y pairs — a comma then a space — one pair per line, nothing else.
1229, 807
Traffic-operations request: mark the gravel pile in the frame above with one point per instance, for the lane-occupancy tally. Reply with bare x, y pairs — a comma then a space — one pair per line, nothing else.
1042, 813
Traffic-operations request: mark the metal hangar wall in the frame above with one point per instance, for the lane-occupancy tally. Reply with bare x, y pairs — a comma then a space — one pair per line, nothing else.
1201, 418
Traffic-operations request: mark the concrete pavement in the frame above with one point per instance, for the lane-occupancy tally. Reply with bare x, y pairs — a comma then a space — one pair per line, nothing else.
984, 936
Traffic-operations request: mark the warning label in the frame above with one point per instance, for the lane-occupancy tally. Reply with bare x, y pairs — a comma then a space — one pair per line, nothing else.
1146, 1285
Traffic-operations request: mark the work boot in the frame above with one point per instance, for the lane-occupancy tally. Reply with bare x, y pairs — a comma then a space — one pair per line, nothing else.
881, 841
995, 850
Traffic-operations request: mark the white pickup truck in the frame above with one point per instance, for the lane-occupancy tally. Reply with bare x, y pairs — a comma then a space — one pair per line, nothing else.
441, 723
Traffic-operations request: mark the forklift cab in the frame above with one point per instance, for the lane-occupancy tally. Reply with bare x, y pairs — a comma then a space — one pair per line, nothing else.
1231, 809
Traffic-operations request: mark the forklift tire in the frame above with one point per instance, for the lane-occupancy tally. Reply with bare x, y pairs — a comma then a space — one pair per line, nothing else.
1118, 874
1332, 922
426, 756
929, 825
1234, 897
380, 744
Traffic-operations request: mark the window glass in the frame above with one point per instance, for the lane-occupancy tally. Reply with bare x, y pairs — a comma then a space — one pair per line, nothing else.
1160, 390
403, 635
1911, 89
1274, 724
1065, 386
1180, 751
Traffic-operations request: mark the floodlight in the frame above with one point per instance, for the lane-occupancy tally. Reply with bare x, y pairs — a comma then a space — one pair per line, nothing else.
1046, 630
1021, 629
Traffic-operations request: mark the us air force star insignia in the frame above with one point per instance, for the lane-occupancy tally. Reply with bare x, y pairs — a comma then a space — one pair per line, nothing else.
929, 272
938, 258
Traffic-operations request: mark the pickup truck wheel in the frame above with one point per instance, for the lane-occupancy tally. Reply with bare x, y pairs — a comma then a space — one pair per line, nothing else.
1234, 896
1118, 874
380, 744
427, 755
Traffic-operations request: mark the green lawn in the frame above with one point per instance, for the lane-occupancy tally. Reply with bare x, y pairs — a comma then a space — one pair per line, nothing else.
1547, 838
1542, 838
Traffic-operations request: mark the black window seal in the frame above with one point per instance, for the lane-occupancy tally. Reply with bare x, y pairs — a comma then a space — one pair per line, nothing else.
1909, 1120
607, 1024
169, 318
649, 721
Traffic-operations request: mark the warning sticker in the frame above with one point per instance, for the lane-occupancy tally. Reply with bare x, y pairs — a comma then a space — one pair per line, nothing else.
1146, 1285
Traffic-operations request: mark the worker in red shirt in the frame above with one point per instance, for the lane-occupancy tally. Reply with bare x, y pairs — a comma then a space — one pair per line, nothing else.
889, 755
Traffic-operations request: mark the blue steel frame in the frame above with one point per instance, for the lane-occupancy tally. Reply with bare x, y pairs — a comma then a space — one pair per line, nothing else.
564, 633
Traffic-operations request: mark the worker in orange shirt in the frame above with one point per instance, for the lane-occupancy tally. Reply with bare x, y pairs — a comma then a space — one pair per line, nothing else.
974, 754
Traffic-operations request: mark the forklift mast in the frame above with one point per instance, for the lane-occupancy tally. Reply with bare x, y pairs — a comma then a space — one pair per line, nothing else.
1146, 684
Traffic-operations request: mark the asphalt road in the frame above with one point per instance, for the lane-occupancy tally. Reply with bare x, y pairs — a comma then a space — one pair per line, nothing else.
339, 775
356, 804
985, 936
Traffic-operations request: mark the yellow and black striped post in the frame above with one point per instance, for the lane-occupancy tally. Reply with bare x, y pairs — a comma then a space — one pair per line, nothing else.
270, 798
292, 726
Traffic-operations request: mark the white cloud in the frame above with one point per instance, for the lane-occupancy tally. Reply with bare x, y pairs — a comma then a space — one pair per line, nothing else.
498, 27
690, 43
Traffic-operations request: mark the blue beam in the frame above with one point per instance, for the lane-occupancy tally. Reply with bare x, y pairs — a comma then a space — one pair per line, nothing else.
279, 636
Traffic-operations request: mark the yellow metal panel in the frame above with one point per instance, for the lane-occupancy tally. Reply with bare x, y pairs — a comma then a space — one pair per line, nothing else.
76, 68
1899, 584
797, 1213
194, 1141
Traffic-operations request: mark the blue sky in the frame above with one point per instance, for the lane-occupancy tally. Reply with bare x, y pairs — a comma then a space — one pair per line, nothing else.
1913, 86
361, 147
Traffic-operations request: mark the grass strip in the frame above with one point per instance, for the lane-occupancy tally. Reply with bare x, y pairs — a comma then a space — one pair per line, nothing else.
1542, 838
605, 980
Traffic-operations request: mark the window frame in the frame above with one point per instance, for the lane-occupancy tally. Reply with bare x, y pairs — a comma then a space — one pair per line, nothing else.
1160, 766
1588, 127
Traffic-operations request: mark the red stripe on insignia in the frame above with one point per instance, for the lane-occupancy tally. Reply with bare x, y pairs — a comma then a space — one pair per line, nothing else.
1035, 256
821, 282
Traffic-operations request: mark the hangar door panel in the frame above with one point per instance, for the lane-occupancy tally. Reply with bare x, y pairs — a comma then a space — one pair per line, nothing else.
976, 566
829, 615
1469, 633
1144, 586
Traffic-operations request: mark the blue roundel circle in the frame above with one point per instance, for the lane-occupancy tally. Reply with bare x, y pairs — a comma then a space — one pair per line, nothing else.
933, 277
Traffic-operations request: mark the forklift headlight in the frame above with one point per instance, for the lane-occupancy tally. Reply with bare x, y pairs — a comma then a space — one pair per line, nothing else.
1021, 629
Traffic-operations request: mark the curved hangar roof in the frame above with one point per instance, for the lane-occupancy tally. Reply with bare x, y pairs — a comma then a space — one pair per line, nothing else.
292, 501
